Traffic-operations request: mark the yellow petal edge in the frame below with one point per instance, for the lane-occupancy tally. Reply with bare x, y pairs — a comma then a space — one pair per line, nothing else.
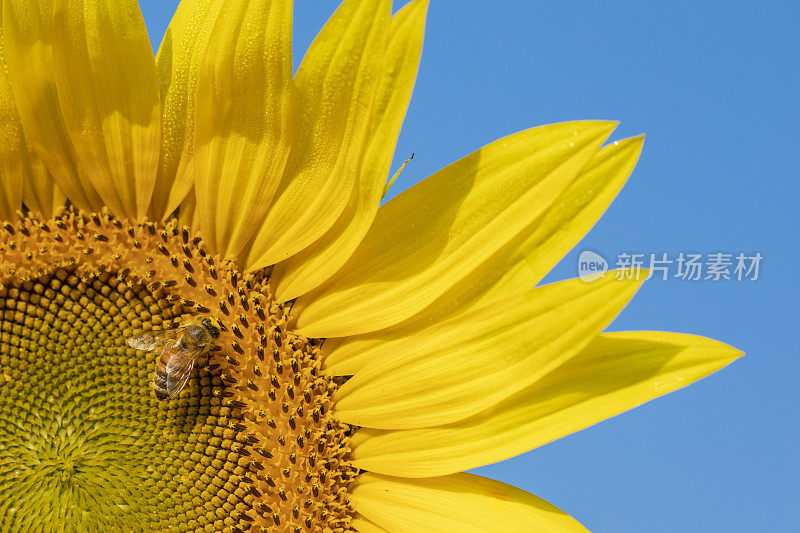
615, 373
461, 367
311, 267
431, 237
462, 503
525, 263
108, 90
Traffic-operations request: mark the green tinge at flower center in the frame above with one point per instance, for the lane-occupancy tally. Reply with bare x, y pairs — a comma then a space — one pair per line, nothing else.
84, 444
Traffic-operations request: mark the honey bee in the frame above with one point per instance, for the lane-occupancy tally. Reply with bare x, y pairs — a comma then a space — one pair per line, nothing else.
177, 350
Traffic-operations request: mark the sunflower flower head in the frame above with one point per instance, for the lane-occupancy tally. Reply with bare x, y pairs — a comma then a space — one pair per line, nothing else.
367, 356
102, 452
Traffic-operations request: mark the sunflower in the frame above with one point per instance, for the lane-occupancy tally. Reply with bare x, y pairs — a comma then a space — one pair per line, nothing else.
367, 356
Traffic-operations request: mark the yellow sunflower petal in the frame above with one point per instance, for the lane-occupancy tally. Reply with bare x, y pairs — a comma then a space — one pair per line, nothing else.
315, 264
187, 214
365, 526
435, 235
39, 192
461, 367
461, 502
23, 176
616, 372
12, 146
106, 77
559, 228
334, 90
242, 126
27, 36
178, 62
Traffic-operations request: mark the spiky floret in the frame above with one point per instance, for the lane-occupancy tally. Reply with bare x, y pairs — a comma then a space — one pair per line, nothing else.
249, 445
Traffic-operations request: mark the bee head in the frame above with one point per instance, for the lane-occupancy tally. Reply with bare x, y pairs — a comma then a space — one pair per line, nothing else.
213, 330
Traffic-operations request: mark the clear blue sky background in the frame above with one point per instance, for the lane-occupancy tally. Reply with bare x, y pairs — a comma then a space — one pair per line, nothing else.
714, 85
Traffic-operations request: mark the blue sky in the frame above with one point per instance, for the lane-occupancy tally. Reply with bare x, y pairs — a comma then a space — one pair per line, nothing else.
714, 85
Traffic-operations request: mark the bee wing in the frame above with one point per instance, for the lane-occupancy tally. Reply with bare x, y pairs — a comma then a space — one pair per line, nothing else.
151, 340
179, 367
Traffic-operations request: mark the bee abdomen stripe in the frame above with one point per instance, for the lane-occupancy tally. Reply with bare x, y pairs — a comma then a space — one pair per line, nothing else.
160, 379
160, 385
